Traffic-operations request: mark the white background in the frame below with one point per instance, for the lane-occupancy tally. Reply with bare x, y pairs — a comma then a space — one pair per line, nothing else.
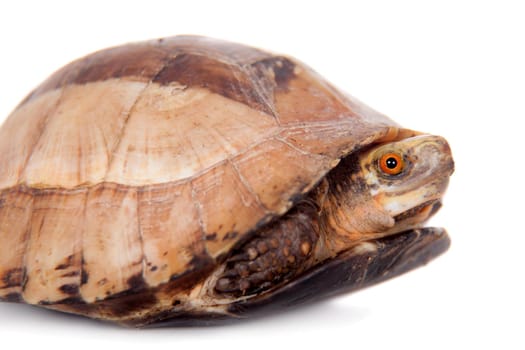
454, 68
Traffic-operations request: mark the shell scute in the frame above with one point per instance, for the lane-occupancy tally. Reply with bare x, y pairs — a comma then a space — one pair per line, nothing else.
112, 246
54, 252
77, 141
228, 208
172, 233
276, 171
15, 219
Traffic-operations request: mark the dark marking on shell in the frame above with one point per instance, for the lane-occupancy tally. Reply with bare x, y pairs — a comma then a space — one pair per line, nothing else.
71, 274
121, 306
129, 304
283, 70
137, 282
71, 289
211, 237
61, 267
12, 298
70, 301
68, 262
84, 277
230, 235
14, 277
228, 80
142, 61
135, 62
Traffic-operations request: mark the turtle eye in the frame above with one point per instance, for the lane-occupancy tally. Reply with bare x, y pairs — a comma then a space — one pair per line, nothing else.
391, 163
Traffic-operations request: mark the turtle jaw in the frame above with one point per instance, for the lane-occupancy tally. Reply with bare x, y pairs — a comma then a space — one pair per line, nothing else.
416, 217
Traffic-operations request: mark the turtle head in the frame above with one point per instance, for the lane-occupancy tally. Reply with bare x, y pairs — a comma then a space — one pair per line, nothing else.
408, 178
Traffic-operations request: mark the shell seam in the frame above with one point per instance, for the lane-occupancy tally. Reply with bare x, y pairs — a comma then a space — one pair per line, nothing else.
198, 206
37, 139
82, 246
141, 238
256, 86
27, 241
248, 187
131, 109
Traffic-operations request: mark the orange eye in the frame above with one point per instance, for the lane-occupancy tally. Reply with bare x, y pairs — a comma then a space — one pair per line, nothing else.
391, 163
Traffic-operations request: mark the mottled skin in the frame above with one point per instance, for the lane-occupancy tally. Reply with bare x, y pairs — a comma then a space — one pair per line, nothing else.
188, 178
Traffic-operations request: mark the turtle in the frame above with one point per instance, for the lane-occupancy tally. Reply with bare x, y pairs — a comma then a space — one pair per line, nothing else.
190, 180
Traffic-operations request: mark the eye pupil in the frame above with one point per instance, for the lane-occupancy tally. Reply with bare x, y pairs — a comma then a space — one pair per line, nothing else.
391, 163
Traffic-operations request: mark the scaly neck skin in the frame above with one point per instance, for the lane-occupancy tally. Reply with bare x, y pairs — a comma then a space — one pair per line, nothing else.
348, 213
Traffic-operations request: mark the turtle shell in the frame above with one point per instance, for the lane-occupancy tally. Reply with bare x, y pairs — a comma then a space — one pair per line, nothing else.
139, 167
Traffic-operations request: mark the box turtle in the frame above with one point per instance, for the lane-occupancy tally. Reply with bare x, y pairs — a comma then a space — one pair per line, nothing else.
189, 180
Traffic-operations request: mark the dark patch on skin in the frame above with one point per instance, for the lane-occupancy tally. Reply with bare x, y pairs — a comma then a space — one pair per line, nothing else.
71, 289
347, 177
211, 237
13, 277
230, 235
226, 79
153, 268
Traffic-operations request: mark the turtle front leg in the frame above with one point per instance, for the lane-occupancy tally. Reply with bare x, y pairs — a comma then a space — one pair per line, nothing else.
276, 254
365, 265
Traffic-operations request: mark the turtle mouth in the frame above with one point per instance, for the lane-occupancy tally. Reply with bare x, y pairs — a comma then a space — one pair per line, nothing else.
419, 213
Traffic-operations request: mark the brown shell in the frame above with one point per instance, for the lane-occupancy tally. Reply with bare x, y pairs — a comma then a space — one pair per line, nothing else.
139, 167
